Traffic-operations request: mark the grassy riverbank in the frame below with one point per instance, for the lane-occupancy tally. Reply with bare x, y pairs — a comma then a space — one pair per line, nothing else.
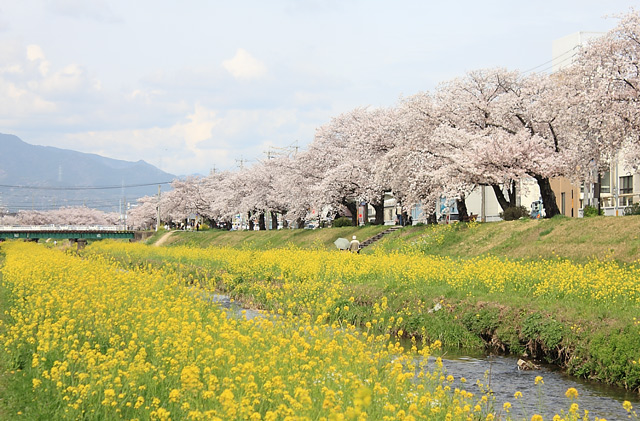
579, 240
304, 238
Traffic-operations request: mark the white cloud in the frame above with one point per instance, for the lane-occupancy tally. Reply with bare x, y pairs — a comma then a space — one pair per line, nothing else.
198, 128
20, 103
72, 78
174, 149
35, 53
244, 67
12, 69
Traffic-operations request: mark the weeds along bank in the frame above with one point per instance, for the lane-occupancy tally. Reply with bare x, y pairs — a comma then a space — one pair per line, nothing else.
580, 316
87, 338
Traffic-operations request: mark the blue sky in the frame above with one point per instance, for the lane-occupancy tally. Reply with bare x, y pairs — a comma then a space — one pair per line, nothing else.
192, 85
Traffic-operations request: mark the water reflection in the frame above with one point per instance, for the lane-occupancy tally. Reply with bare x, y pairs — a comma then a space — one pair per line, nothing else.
225, 302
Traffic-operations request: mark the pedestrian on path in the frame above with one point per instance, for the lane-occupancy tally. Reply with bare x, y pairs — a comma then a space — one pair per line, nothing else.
354, 246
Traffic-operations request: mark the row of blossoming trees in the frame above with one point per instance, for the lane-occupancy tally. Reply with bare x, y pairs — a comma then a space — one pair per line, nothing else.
71, 215
490, 127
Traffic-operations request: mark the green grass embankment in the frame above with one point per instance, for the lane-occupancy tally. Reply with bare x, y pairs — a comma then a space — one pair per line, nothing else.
304, 238
580, 240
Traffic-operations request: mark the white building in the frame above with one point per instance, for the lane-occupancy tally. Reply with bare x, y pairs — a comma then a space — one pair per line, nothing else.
618, 187
565, 49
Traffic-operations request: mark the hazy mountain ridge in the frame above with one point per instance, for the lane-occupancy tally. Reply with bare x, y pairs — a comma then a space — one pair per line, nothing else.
23, 164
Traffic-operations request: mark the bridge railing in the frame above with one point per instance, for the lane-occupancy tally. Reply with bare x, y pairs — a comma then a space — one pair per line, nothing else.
76, 228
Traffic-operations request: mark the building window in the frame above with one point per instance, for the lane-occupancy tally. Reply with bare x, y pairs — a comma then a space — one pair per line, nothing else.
626, 201
605, 182
626, 184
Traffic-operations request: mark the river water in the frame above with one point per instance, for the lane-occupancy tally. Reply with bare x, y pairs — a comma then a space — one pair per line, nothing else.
502, 375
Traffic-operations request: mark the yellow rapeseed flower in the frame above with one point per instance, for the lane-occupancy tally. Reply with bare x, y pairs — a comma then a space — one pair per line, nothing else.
571, 393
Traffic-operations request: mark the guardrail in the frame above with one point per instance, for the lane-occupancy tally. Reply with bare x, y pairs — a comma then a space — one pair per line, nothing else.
71, 232
53, 228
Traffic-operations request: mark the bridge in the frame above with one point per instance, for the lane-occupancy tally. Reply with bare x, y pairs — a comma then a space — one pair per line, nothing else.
74, 233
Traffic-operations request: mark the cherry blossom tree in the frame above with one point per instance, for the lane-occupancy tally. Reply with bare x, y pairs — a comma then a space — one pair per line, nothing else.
409, 168
344, 156
216, 193
72, 215
144, 214
187, 198
509, 111
602, 92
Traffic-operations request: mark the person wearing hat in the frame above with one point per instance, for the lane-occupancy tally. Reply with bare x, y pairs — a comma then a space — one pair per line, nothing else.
354, 246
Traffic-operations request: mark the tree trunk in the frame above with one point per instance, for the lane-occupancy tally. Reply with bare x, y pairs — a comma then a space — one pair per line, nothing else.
379, 208
262, 226
432, 219
463, 214
502, 201
274, 220
353, 208
250, 221
548, 197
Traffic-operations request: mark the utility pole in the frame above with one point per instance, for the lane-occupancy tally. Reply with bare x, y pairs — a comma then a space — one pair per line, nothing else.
241, 162
615, 183
483, 216
158, 209
123, 210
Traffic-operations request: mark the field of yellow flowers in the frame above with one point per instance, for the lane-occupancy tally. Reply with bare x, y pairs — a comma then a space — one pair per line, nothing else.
120, 332
100, 341
579, 316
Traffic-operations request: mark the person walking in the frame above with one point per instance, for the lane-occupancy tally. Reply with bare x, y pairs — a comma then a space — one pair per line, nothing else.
354, 246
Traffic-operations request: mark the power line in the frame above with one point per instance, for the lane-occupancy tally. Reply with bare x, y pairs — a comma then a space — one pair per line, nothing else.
70, 188
565, 60
571, 50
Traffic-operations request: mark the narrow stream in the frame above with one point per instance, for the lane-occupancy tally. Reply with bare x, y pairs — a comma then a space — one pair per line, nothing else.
225, 302
502, 375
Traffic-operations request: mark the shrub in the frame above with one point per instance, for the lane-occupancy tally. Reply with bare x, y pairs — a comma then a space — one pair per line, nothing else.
589, 211
514, 212
343, 221
633, 209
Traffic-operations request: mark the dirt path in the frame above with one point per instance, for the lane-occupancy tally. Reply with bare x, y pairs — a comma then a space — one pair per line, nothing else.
163, 239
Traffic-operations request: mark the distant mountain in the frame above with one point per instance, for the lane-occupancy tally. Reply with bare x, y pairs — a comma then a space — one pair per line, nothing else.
52, 171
